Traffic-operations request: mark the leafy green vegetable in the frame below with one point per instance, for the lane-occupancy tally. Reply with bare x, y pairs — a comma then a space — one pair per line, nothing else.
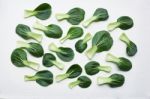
25, 32
122, 63
82, 81
64, 53
19, 59
42, 12
74, 16
73, 72
50, 60
123, 23
34, 49
43, 78
52, 30
81, 45
131, 46
73, 33
99, 15
115, 80
102, 41
94, 67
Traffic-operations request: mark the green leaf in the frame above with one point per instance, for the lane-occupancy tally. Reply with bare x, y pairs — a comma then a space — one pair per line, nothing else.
50, 60
123, 64
64, 53
19, 59
94, 67
73, 72
43, 78
115, 80
73, 33
81, 45
25, 32
42, 12
74, 16
131, 48
123, 22
100, 14
82, 81
52, 30
102, 41
34, 49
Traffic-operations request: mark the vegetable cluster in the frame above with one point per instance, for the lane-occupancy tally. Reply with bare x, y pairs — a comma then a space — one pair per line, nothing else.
101, 41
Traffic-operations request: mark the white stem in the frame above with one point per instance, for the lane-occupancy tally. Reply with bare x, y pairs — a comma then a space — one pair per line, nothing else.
35, 36
123, 37
112, 58
73, 84
87, 37
39, 26
64, 39
22, 44
29, 78
61, 77
88, 21
91, 52
58, 65
29, 13
61, 16
112, 26
32, 65
53, 47
103, 80
105, 68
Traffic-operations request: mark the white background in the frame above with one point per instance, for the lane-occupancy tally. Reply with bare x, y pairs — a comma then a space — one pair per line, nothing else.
137, 84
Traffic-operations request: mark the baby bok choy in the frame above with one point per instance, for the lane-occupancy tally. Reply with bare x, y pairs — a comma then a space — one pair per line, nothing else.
123, 63
82, 81
73, 33
19, 59
74, 16
123, 23
94, 67
99, 15
52, 30
81, 45
115, 80
50, 60
25, 32
34, 49
73, 72
43, 78
102, 41
131, 49
64, 53
42, 12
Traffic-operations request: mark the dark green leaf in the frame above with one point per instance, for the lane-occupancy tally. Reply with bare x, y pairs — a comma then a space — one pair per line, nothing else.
42, 12
17, 57
84, 81
47, 59
74, 71
53, 31
131, 49
76, 15
124, 64
80, 46
117, 80
125, 22
101, 14
65, 54
102, 40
